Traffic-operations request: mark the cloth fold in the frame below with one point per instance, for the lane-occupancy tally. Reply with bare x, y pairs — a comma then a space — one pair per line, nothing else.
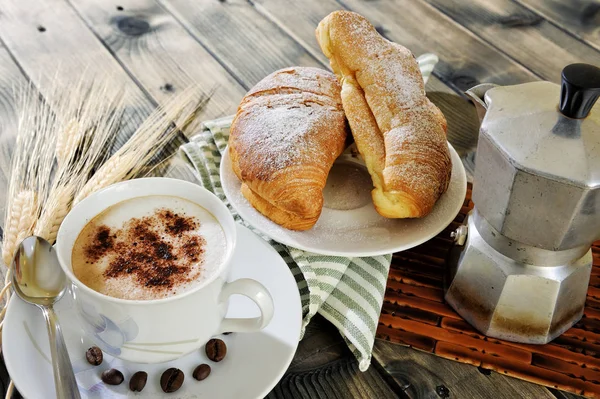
346, 291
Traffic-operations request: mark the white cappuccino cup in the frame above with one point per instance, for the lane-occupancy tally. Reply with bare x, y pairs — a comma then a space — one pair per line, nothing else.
159, 330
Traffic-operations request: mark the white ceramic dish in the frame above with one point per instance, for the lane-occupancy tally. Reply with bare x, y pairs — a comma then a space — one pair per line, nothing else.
254, 364
360, 231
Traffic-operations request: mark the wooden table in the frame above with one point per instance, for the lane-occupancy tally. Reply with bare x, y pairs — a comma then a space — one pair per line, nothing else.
157, 48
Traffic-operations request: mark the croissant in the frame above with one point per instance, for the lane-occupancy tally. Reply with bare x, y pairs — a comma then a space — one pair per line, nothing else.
398, 131
285, 136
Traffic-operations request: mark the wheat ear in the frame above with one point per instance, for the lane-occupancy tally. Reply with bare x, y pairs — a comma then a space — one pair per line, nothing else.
92, 114
113, 170
148, 140
67, 141
21, 217
54, 211
30, 170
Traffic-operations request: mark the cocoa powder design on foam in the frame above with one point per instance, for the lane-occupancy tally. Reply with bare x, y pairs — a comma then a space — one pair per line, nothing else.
103, 242
157, 250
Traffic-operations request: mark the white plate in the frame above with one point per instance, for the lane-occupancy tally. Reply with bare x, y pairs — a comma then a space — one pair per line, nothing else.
254, 364
360, 231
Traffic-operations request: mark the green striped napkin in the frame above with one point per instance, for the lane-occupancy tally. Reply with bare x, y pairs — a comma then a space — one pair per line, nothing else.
346, 291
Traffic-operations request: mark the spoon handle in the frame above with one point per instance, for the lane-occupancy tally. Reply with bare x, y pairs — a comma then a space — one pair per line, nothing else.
64, 379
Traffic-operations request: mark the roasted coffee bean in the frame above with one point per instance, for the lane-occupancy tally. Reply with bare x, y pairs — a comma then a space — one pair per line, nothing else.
112, 377
94, 355
138, 381
201, 372
216, 350
171, 380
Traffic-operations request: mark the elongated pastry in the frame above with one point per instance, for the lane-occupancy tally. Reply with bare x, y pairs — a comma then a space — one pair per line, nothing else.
398, 131
287, 132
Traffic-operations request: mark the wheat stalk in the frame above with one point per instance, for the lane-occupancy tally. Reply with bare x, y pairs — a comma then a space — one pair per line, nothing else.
67, 142
54, 211
114, 170
32, 160
60, 145
20, 221
148, 140
92, 115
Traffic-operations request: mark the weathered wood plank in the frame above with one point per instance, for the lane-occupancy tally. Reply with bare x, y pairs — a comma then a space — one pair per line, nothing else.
299, 21
580, 18
55, 48
51, 42
422, 375
339, 380
324, 367
159, 52
465, 59
10, 76
525, 36
322, 344
248, 44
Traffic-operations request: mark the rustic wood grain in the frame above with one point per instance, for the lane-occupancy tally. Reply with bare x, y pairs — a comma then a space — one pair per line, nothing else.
160, 53
580, 18
322, 344
465, 59
245, 42
525, 36
51, 42
339, 380
10, 76
324, 367
54, 48
299, 21
421, 375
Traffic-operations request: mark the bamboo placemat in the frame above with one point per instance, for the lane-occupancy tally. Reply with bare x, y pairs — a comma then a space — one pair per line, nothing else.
414, 313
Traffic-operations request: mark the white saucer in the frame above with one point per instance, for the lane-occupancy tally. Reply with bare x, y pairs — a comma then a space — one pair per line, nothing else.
254, 364
360, 231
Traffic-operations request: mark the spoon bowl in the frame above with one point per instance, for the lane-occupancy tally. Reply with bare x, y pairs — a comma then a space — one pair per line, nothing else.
37, 276
38, 279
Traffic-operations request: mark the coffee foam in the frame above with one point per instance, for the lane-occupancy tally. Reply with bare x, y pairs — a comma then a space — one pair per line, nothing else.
149, 248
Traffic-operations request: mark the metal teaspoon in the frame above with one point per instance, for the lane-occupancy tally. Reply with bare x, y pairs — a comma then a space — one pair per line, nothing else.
38, 279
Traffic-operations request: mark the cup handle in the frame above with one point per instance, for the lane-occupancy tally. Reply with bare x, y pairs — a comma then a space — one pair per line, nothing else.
261, 297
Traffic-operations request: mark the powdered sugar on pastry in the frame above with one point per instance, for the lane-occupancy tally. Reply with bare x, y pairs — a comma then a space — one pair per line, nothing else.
399, 132
273, 128
288, 131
